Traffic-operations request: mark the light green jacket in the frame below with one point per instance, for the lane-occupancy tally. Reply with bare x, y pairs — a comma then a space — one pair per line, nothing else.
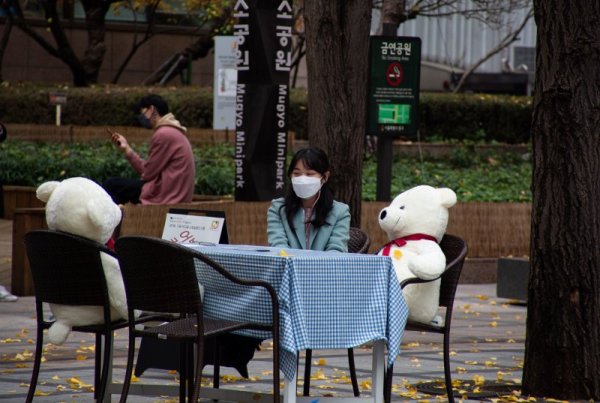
332, 236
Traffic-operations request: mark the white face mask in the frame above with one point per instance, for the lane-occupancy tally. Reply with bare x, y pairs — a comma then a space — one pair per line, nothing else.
306, 187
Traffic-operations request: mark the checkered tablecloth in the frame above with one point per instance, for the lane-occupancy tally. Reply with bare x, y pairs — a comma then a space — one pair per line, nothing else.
327, 300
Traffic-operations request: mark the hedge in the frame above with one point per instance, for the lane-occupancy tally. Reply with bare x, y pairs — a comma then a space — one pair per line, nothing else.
474, 176
442, 116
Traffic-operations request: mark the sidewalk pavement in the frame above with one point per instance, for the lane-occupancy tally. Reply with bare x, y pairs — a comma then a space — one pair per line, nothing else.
487, 349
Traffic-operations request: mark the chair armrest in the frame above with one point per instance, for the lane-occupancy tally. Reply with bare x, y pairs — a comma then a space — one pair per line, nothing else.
417, 280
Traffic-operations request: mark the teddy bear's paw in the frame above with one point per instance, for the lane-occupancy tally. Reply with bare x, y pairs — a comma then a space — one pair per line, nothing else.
427, 267
437, 321
58, 333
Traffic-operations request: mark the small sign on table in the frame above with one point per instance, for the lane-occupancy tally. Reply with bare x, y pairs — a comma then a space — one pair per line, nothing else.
195, 226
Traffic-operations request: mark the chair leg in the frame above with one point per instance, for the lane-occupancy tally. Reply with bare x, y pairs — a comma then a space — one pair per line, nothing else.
217, 365
97, 364
307, 365
36, 363
276, 361
106, 364
190, 369
183, 371
352, 368
128, 369
447, 373
197, 376
387, 384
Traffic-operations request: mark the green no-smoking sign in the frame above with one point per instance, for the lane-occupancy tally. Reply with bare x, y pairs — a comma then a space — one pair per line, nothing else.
394, 74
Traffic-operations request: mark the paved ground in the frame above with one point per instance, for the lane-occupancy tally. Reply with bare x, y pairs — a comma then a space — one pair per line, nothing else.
488, 336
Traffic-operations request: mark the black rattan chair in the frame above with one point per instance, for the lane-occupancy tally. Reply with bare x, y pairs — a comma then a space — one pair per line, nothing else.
160, 276
455, 250
359, 242
66, 269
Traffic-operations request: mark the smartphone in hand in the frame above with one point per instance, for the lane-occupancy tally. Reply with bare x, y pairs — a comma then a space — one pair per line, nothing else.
112, 132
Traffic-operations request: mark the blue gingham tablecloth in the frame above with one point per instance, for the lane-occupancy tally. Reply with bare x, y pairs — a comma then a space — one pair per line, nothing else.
327, 300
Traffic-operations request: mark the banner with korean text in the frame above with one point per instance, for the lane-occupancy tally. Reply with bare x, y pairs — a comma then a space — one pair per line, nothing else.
264, 40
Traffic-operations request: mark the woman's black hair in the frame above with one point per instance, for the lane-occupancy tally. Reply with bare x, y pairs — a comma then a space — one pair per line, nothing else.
313, 158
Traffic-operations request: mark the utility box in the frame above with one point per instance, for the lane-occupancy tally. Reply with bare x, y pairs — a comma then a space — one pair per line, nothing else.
494, 83
512, 278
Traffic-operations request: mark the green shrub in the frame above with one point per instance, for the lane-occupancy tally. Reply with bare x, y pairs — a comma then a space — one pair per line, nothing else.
478, 117
474, 177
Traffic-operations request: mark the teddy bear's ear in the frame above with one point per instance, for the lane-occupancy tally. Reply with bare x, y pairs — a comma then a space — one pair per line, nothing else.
44, 191
447, 196
103, 213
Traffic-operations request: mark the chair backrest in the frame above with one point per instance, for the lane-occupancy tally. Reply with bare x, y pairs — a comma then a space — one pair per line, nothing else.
159, 275
66, 268
359, 241
455, 250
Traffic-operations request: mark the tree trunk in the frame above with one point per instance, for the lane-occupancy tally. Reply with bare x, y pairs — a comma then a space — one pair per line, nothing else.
337, 42
392, 14
8, 23
562, 351
95, 14
63, 48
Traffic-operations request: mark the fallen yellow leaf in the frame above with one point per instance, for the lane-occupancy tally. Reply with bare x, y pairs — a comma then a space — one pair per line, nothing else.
318, 375
9, 340
478, 379
366, 384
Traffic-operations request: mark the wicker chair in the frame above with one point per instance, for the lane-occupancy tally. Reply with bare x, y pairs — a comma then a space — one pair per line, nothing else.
359, 242
66, 269
455, 250
160, 276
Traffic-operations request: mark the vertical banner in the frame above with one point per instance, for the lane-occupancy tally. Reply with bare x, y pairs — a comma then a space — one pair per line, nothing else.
264, 41
225, 81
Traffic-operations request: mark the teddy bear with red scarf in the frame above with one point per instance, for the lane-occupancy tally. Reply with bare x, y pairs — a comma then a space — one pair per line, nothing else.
80, 206
415, 223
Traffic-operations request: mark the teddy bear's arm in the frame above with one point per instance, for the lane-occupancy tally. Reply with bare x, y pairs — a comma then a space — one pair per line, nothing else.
430, 261
114, 282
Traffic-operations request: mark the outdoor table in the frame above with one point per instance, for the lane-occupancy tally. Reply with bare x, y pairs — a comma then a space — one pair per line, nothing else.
327, 300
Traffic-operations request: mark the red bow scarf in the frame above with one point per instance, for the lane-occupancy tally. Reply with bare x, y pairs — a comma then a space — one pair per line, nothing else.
111, 244
402, 241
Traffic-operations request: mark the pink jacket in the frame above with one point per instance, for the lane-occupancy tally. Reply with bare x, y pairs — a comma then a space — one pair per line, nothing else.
169, 170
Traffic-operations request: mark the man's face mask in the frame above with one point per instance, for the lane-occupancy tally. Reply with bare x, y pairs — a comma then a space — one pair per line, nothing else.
144, 121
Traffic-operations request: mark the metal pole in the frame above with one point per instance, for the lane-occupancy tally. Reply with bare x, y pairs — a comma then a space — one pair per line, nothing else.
385, 147
384, 167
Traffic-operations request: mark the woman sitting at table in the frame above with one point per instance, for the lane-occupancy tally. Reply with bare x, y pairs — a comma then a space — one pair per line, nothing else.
308, 217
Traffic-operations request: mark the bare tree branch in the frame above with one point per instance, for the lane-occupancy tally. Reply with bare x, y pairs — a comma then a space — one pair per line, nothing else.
507, 40
148, 34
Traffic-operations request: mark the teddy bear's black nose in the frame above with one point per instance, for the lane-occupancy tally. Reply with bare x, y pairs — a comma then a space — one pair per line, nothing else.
383, 214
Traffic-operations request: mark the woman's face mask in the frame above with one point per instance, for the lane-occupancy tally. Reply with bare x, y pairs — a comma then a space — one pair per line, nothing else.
306, 187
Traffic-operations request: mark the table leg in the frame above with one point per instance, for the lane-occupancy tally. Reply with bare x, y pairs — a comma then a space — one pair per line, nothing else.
289, 389
378, 370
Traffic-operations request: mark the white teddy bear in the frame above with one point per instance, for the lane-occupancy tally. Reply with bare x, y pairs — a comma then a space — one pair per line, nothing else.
80, 206
415, 223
